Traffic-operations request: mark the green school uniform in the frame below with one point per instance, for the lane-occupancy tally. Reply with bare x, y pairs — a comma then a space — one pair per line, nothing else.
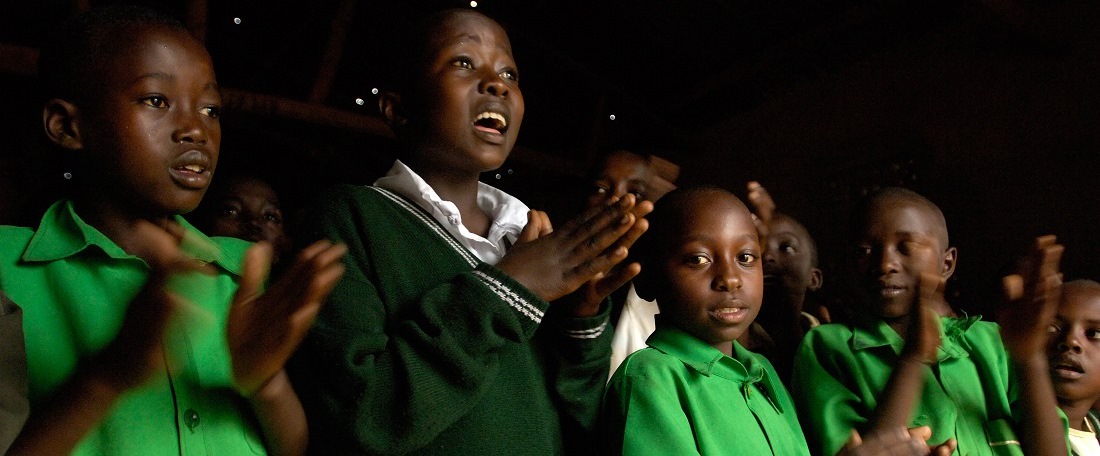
840, 372
424, 349
74, 285
682, 396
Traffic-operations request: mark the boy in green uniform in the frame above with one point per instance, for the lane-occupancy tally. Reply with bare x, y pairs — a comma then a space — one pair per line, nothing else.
464, 324
1075, 362
907, 362
695, 390
132, 347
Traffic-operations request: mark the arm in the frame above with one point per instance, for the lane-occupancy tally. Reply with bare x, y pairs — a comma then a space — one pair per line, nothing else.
1031, 303
642, 415
830, 389
922, 341
264, 329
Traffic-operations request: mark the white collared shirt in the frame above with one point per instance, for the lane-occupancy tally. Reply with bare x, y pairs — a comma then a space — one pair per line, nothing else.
508, 213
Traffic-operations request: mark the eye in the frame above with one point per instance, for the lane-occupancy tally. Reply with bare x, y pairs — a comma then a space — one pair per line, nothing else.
787, 248
463, 62
697, 260
863, 251
510, 74
638, 196
230, 212
273, 217
600, 190
1092, 334
747, 258
155, 101
1053, 329
212, 112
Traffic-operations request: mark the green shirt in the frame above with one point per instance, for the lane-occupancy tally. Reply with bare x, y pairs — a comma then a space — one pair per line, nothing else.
74, 285
840, 372
681, 396
424, 349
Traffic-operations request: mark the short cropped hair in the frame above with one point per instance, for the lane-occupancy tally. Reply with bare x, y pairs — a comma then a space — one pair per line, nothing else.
79, 45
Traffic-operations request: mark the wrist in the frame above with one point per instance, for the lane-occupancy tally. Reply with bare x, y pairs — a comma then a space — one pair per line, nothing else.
273, 388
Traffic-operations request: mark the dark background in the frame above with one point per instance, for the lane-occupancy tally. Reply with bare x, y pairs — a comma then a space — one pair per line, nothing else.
989, 108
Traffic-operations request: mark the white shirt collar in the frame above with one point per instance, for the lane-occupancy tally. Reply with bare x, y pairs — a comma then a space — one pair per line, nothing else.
508, 213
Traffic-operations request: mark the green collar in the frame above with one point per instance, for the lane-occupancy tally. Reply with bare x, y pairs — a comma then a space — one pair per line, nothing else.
871, 334
62, 234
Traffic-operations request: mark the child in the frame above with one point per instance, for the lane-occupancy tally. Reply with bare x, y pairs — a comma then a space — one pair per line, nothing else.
13, 373
790, 273
442, 338
194, 363
620, 173
1074, 352
245, 207
695, 390
904, 363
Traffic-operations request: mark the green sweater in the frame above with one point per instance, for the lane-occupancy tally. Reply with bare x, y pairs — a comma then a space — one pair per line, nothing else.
423, 349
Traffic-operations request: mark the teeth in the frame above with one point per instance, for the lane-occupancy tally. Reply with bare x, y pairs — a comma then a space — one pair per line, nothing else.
492, 115
194, 168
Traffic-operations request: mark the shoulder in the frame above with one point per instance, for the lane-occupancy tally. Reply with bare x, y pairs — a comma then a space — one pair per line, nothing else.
829, 335
649, 362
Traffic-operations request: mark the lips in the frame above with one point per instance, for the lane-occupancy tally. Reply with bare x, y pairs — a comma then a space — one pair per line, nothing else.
891, 290
491, 122
1066, 367
730, 313
192, 170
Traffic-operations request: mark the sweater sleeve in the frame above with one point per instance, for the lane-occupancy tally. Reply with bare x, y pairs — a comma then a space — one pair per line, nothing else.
579, 350
378, 376
828, 407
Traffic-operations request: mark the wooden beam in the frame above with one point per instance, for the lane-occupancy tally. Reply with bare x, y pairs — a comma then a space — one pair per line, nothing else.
330, 62
314, 113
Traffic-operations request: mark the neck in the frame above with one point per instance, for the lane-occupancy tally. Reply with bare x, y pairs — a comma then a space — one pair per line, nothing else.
725, 347
117, 223
461, 189
1075, 412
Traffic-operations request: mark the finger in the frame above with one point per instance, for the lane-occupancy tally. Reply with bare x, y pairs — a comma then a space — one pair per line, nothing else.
617, 278
947, 448
922, 433
600, 263
606, 240
823, 314
532, 229
547, 227
1013, 286
854, 440
612, 213
254, 270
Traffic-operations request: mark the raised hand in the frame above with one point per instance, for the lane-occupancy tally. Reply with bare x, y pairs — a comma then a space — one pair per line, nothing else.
1031, 300
763, 208
896, 442
264, 329
555, 263
922, 339
137, 351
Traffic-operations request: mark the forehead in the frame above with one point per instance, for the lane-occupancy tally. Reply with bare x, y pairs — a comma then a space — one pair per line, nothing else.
1081, 302
149, 49
713, 213
467, 27
780, 224
902, 215
249, 187
624, 164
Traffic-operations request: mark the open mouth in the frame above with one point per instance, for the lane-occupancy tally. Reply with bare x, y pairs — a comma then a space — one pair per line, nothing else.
730, 315
491, 122
192, 170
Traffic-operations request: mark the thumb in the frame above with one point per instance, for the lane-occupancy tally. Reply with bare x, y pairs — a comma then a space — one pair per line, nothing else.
254, 271
533, 227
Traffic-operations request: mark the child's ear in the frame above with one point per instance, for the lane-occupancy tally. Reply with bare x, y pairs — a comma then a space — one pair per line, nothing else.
816, 279
950, 256
389, 103
59, 117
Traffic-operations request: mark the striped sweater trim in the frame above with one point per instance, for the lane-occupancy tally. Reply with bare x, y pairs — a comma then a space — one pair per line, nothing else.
431, 223
516, 301
513, 299
591, 333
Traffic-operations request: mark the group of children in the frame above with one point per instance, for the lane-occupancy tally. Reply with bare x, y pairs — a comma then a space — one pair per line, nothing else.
433, 314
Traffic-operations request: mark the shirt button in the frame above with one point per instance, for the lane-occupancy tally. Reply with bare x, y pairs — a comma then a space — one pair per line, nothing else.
191, 419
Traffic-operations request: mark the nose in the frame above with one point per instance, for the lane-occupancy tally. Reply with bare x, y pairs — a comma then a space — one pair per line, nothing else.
1068, 343
889, 261
190, 128
493, 84
726, 278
